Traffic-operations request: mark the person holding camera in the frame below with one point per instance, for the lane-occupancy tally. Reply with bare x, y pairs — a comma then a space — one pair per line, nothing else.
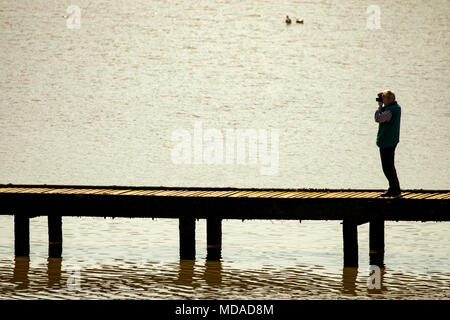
388, 116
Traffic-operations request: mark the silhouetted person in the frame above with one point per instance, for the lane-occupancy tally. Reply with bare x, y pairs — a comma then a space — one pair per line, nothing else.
388, 116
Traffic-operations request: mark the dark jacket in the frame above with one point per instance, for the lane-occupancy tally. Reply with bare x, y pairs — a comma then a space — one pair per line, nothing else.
389, 131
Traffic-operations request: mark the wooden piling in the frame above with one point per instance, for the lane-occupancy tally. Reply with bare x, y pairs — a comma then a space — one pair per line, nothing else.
350, 239
187, 238
214, 239
54, 236
376, 242
21, 235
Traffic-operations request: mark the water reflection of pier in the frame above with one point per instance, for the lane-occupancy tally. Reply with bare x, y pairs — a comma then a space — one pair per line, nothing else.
352, 207
188, 275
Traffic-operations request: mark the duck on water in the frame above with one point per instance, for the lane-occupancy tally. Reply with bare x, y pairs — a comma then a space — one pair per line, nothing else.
297, 20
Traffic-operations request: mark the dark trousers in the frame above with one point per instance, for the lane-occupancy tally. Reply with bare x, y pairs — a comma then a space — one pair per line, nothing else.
387, 162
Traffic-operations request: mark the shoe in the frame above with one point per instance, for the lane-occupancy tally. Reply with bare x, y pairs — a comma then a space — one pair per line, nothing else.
397, 195
386, 194
389, 194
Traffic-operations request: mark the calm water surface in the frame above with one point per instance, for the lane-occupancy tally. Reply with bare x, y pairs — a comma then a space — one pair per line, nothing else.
98, 105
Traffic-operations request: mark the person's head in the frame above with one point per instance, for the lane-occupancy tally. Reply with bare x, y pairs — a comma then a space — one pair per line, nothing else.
388, 97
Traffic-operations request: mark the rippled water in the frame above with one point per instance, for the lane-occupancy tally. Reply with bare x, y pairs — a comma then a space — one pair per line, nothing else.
98, 105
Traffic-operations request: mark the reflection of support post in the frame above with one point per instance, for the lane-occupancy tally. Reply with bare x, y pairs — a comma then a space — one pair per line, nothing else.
187, 238
54, 272
213, 273
186, 272
214, 239
349, 276
21, 235
350, 235
54, 236
376, 242
21, 270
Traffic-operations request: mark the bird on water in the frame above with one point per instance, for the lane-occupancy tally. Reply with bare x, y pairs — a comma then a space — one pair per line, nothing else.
288, 20
299, 20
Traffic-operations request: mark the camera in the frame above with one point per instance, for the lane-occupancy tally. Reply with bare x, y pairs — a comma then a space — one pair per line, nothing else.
379, 98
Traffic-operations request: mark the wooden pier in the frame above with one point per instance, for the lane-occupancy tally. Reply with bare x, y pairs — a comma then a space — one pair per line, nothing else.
352, 207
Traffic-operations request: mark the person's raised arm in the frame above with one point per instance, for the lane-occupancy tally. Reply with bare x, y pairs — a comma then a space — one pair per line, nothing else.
382, 116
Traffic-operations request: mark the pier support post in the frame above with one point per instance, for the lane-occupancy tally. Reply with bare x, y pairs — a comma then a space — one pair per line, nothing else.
54, 236
187, 238
350, 237
214, 239
21, 235
376, 243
